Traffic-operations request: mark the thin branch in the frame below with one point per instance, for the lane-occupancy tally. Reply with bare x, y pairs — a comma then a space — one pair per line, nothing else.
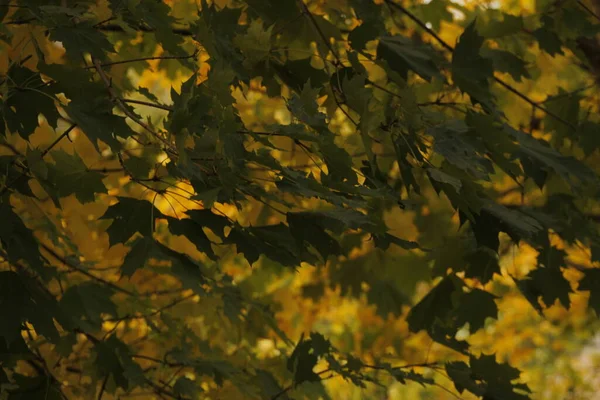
569, 94
144, 59
588, 10
319, 31
417, 365
291, 386
110, 27
142, 28
149, 104
73, 267
24, 173
11, 148
282, 392
20, 21
58, 139
153, 313
97, 24
106, 170
103, 387
121, 104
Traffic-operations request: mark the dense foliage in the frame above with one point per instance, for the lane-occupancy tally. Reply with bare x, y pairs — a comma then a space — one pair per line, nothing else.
253, 199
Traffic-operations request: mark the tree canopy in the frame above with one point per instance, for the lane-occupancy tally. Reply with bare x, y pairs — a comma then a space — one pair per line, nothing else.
294, 199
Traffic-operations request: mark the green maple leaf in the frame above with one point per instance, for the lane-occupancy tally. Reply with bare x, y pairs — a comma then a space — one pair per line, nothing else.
302, 361
18, 240
87, 302
190, 108
402, 54
70, 175
138, 255
507, 62
27, 97
498, 28
470, 71
81, 39
113, 358
36, 387
460, 149
548, 283
463, 378
497, 376
130, 216
547, 38
189, 272
565, 106
184, 386
387, 298
435, 12
537, 152
156, 15
13, 302
206, 218
304, 106
98, 122
10, 172
194, 233
255, 44
482, 264
591, 283
364, 33
436, 305
475, 307
307, 231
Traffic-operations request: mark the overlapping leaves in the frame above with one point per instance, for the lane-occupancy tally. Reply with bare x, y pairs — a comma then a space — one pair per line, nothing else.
389, 154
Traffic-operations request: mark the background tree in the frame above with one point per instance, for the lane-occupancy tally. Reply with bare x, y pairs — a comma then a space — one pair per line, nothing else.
287, 199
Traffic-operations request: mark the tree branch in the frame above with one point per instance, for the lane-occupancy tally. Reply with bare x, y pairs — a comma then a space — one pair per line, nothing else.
121, 104
73, 267
149, 104
501, 82
144, 59
109, 27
